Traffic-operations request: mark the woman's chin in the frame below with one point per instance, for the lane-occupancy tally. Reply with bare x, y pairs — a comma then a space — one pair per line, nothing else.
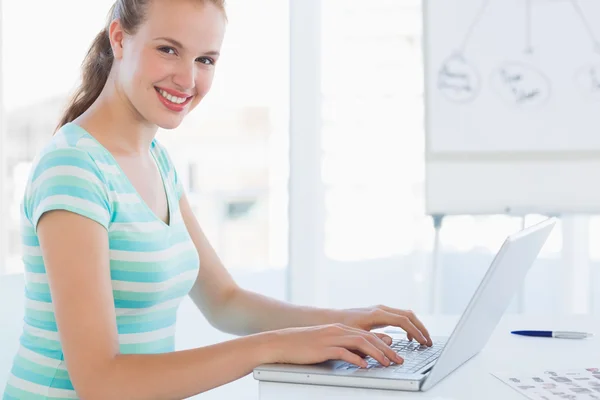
169, 123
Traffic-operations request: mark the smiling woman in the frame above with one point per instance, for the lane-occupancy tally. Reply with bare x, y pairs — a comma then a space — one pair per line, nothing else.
158, 50
111, 245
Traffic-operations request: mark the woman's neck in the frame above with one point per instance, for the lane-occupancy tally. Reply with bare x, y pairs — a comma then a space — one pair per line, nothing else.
115, 123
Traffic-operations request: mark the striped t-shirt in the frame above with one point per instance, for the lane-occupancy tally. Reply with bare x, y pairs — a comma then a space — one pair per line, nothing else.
153, 265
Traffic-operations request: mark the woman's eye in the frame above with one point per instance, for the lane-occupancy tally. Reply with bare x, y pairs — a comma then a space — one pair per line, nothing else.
168, 50
205, 60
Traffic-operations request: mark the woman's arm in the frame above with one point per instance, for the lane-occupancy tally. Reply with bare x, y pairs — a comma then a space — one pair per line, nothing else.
75, 251
238, 311
76, 255
232, 309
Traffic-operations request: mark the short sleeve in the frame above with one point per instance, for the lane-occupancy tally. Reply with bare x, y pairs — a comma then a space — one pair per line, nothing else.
67, 179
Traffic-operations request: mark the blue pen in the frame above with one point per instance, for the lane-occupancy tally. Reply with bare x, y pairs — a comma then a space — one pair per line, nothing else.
555, 334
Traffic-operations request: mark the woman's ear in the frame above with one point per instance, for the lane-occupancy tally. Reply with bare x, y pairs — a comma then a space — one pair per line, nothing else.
116, 36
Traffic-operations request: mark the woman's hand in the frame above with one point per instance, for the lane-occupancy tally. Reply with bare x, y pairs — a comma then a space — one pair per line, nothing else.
382, 316
330, 342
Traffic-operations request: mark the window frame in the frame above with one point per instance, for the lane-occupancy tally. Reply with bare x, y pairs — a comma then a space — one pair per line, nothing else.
306, 208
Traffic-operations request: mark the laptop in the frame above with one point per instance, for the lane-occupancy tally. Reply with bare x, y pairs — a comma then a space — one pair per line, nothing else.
424, 366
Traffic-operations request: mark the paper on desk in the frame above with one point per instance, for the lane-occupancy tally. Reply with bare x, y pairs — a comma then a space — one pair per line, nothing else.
572, 384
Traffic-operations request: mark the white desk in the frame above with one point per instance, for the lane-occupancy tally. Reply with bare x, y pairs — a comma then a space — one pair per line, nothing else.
503, 352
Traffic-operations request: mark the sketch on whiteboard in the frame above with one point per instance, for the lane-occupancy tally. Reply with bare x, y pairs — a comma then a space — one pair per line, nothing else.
520, 84
458, 80
516, 82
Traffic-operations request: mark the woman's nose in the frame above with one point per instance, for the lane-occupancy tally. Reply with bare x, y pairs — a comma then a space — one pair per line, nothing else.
184, 76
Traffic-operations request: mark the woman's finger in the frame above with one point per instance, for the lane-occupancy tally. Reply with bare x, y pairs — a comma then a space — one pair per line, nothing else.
359, 353
405, 323
381, 341
362, 344
385, 347
416, 322
385, 338
413, 318
340, 353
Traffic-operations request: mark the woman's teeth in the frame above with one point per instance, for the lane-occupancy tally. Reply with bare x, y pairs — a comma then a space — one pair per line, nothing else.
172, 99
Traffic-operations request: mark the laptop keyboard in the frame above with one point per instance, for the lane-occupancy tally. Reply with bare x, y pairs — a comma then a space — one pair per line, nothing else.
415, 357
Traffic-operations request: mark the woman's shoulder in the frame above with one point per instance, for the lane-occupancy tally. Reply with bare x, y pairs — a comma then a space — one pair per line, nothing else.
65, 175
69, 143
69, 153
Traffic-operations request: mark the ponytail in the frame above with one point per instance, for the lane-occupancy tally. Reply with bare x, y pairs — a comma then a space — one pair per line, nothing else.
95, 70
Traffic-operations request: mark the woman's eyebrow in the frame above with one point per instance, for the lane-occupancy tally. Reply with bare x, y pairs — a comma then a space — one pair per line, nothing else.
172, 41
178, 44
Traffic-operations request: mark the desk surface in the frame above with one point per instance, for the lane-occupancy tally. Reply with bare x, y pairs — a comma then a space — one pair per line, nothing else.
503, 353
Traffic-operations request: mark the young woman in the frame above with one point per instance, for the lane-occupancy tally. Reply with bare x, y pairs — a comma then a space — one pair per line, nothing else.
111, 245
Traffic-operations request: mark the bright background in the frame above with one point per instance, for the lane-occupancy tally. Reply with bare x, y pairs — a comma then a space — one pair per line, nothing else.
331, 216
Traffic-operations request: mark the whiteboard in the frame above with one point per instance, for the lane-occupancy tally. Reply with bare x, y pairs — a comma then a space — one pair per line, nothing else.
512, 106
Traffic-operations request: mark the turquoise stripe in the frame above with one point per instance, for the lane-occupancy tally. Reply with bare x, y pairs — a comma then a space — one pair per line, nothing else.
41, 369
141, 303
139, 236
65, 157
43, 297
160, 155
152, 277
46, 352
156, 347
179, 290
45, 347
43, 380
12, 393
147, 317
44, 325
27, 227
38, 288
55, 354
90, 193
176, 265
73, 134
30, 240
138, 245
34, 264
44, 316
136, 215
144, 327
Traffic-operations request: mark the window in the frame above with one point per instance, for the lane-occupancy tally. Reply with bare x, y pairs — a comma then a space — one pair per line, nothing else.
231, 152
372, 134
378, 240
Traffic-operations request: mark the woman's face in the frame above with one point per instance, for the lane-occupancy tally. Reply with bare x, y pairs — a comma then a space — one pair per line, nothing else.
168, 65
